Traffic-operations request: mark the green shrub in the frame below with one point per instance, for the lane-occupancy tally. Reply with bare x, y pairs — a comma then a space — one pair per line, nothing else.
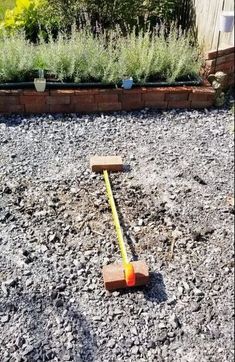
107, 14
4, 5
181, 58
148, 56
80, 58
38, 17
16, 58
83, 57
136, 55
34, 17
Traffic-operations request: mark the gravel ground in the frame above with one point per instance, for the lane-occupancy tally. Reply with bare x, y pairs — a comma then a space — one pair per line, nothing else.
176, 206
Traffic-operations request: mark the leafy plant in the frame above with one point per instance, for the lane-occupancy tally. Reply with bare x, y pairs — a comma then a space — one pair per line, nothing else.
150, 55
136, 55
31, 16
106, 14
16, 58
181, 58
4, 5
80, 58
85, 57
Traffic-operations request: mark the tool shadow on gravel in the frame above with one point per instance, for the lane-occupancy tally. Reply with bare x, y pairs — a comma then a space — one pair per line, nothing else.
154, 291
44, 329
126, 168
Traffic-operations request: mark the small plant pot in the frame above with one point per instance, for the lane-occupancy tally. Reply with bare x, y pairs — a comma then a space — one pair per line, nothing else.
226, 21
127, 83
40, 84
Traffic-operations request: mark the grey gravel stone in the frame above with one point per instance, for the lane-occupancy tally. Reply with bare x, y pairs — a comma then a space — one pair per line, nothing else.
57, 233
198, 292
195, 307
174, 321
28, 282
111, 343
5, 319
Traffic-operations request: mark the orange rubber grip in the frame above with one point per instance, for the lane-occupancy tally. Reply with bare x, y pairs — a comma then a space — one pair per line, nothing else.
129, 275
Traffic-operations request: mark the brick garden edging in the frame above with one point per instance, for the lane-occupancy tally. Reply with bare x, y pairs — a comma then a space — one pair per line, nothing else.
224, 63
104, 100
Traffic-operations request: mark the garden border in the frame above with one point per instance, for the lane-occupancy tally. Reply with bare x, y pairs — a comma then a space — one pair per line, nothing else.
28, 101
221, 60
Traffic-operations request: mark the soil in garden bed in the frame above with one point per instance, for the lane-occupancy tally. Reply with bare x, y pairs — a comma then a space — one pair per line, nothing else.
53, 83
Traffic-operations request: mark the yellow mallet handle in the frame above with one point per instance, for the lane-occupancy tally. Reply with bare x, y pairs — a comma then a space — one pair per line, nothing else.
115, 219
128, 267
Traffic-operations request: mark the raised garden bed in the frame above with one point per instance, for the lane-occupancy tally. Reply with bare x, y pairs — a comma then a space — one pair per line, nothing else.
102, 100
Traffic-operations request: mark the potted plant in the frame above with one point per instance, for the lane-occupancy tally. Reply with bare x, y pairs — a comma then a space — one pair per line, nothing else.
40, 82
40, 66
127, 82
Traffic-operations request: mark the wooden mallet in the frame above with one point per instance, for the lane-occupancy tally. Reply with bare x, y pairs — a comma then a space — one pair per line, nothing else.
125, 274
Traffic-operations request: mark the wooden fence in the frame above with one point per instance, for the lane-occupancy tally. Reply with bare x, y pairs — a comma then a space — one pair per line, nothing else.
207, 15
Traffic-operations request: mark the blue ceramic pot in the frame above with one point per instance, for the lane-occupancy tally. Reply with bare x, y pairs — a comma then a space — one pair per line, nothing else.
127, 83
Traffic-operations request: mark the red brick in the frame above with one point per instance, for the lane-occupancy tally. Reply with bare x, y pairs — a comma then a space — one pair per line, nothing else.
171, 90
3, 108
178, 96
158, 90
105, 107
60, 108
58, 100
213, 53
61, 92
114, 278
9, 99
153, 96
11, 91
224, 67
230, 79
106, 98
156, 104
178, 104
130, 97
3, 99
32, 99
85, 107
33, 92
37, 108
201, 104
110, 91
131, 105
83, 99
202, 94
223, 59
86, 91
133, 91
12, 108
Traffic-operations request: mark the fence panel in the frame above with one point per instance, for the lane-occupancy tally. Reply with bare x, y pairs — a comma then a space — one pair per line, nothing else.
207, 23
